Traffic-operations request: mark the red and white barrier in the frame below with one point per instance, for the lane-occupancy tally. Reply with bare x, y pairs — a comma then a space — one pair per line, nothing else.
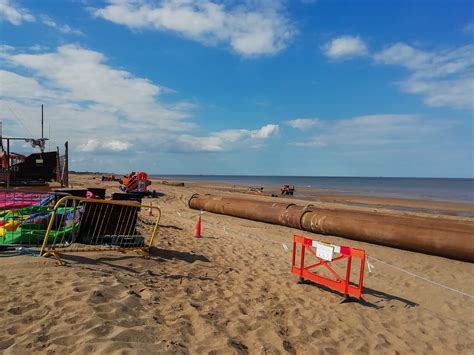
325, 254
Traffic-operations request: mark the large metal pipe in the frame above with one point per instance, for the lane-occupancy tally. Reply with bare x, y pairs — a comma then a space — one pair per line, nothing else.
236, 207
437, 236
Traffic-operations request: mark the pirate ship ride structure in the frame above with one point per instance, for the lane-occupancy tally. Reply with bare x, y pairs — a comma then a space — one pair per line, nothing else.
35, 169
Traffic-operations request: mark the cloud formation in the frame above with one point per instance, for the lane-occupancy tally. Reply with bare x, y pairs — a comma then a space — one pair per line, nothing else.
87, 100
76, 74
442, 78
66, 29
253, 28
107, 114
380, 131
304, 123
228, 139
94, 145
469, 28
345, 47
14, 14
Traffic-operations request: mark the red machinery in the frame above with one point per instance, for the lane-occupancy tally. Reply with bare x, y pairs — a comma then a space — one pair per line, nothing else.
136, 183
287, 190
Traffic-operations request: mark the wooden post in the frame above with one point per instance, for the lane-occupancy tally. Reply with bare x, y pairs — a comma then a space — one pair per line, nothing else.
42, 122
58, 167
66, 164
8, 163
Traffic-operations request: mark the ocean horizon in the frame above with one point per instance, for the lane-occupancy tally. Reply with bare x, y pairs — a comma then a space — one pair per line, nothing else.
445, 189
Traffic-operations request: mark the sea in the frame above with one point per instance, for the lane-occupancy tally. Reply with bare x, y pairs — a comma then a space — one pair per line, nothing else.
444, 189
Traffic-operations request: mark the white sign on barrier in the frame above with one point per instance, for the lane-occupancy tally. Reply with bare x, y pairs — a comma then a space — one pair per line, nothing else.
324, 251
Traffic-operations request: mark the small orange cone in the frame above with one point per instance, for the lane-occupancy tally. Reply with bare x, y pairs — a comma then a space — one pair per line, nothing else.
197, 230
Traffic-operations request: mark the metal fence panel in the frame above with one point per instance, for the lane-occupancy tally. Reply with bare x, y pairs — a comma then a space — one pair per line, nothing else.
81, 225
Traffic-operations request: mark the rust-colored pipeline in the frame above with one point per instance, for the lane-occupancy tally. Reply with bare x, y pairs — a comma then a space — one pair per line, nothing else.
236, 207
437, 236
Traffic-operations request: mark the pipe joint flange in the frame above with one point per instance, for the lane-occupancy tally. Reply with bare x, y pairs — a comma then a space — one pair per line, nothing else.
307, 207
193, 196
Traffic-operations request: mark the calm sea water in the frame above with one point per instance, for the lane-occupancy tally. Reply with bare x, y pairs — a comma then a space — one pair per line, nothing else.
460, 190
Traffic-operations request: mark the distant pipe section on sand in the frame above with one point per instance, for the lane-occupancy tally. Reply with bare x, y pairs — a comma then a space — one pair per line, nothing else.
445, 237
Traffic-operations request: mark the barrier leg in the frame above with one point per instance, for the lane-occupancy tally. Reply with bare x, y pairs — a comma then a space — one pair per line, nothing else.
303, 249
348, 275
361, 274
347, 297
59, 261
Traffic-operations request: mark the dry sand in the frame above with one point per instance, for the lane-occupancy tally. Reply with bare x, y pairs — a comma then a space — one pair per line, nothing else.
228, 292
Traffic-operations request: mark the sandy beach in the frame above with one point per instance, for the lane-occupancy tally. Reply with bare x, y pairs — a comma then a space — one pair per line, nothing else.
232, 292
236, 177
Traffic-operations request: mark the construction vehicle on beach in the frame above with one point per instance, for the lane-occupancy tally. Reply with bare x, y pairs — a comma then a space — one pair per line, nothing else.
287, 190
137, 183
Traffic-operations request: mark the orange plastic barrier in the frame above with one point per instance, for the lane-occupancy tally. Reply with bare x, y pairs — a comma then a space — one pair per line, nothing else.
327, 253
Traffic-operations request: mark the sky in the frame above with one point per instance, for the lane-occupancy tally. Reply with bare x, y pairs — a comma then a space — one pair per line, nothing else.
251, 87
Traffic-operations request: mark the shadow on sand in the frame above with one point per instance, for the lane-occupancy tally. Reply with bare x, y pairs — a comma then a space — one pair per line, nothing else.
168, 254
156, 254
388, 297
170, 227
159, 194
366, 291
103, 260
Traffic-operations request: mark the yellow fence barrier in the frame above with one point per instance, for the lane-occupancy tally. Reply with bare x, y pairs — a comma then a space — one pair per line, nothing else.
78, 224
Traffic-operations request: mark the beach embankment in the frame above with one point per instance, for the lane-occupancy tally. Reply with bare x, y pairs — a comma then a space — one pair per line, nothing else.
231, 291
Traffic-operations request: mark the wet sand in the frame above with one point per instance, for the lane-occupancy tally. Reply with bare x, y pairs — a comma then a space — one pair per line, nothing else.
231, 291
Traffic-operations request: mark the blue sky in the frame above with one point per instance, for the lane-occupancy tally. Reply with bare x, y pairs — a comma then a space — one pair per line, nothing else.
261, 87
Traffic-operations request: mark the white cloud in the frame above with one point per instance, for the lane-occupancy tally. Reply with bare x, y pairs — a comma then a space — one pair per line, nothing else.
456, 93
4, 48
66, 29
97, 107
16, 15
381, 131
117, 146
94, 145
82, 75
469, 28
12, 13
90, 146
428, 64
227, 139
304, 123
252, 28
102, 110
345, 47
18, 86
266, 131
38, 48
442, 78
404, 55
